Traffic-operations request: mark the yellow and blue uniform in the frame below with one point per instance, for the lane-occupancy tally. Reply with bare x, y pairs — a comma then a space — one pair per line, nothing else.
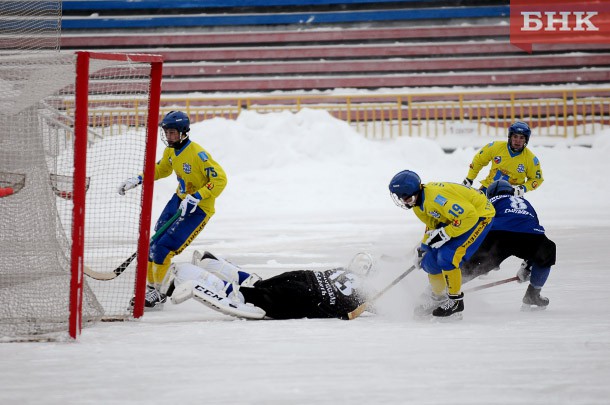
199, 175
518, 168
466, 215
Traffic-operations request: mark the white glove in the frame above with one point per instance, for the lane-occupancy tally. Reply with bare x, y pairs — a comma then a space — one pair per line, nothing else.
436, 238
524, 272
518, 191
128, 184
467, 182
184, 205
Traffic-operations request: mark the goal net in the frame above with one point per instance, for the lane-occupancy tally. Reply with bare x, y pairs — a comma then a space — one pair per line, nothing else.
29, 25
72, 127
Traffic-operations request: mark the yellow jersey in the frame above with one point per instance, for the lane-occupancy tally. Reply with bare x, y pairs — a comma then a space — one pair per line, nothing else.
522, 168
198, 174
457, 206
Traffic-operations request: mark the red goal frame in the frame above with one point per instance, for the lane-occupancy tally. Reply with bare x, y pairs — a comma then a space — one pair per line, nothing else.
80, 176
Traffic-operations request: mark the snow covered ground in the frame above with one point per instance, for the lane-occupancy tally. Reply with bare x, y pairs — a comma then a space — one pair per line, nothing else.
306, 191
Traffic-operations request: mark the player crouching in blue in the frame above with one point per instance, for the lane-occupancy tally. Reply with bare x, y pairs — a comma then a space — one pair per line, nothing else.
457, 218
516, 231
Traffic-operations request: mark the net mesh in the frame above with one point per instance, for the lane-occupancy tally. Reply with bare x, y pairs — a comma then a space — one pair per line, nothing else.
118, 113
37, 113
29, 25
34, 245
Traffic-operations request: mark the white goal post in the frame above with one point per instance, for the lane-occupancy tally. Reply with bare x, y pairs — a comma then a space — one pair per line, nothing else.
62, 157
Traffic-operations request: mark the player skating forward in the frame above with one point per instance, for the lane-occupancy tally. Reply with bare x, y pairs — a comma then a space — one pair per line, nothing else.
516, 231
457, 218
510, 160
221, 285
200, 181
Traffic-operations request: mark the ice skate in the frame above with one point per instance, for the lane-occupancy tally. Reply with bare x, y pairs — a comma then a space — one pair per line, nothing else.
533, 301
153, 300
451, 309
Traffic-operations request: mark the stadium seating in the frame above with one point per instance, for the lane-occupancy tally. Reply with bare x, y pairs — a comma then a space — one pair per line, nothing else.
288, 56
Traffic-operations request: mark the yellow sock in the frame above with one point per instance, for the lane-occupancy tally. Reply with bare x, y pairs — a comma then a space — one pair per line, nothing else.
437, 282
150, 279
156, 273
453, 278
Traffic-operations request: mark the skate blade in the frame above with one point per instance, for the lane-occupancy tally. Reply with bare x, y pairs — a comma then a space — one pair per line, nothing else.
458, 316
156, 308
531, 308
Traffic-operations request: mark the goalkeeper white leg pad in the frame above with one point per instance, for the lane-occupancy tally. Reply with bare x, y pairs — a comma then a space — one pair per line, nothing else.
224, 269
184, 288
183, 292
185, 276
232, 305
197, 256
219, 266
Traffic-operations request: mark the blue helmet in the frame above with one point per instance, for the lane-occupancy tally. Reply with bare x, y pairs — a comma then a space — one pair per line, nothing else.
179, 121
499, 187
520, 128
404, 185
176, 120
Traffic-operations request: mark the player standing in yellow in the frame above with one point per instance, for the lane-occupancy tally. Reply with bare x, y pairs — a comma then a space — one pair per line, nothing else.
510, 160
457, 218
200, 181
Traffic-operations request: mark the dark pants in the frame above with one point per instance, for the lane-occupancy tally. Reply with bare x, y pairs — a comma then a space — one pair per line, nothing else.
537, 249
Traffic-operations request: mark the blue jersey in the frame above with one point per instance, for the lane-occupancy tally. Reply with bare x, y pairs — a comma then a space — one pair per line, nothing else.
515, 214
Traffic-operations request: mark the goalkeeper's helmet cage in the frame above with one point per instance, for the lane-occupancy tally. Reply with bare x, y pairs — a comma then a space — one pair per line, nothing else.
404, 185
176, 120
499, 187
520, 128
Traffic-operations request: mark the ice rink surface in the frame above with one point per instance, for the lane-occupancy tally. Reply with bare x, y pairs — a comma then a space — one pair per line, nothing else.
306, 192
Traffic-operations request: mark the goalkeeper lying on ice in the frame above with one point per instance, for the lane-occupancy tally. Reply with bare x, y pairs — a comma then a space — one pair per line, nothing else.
225, 287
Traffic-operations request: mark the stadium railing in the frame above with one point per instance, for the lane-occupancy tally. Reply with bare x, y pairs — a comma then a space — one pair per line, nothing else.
558, 113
